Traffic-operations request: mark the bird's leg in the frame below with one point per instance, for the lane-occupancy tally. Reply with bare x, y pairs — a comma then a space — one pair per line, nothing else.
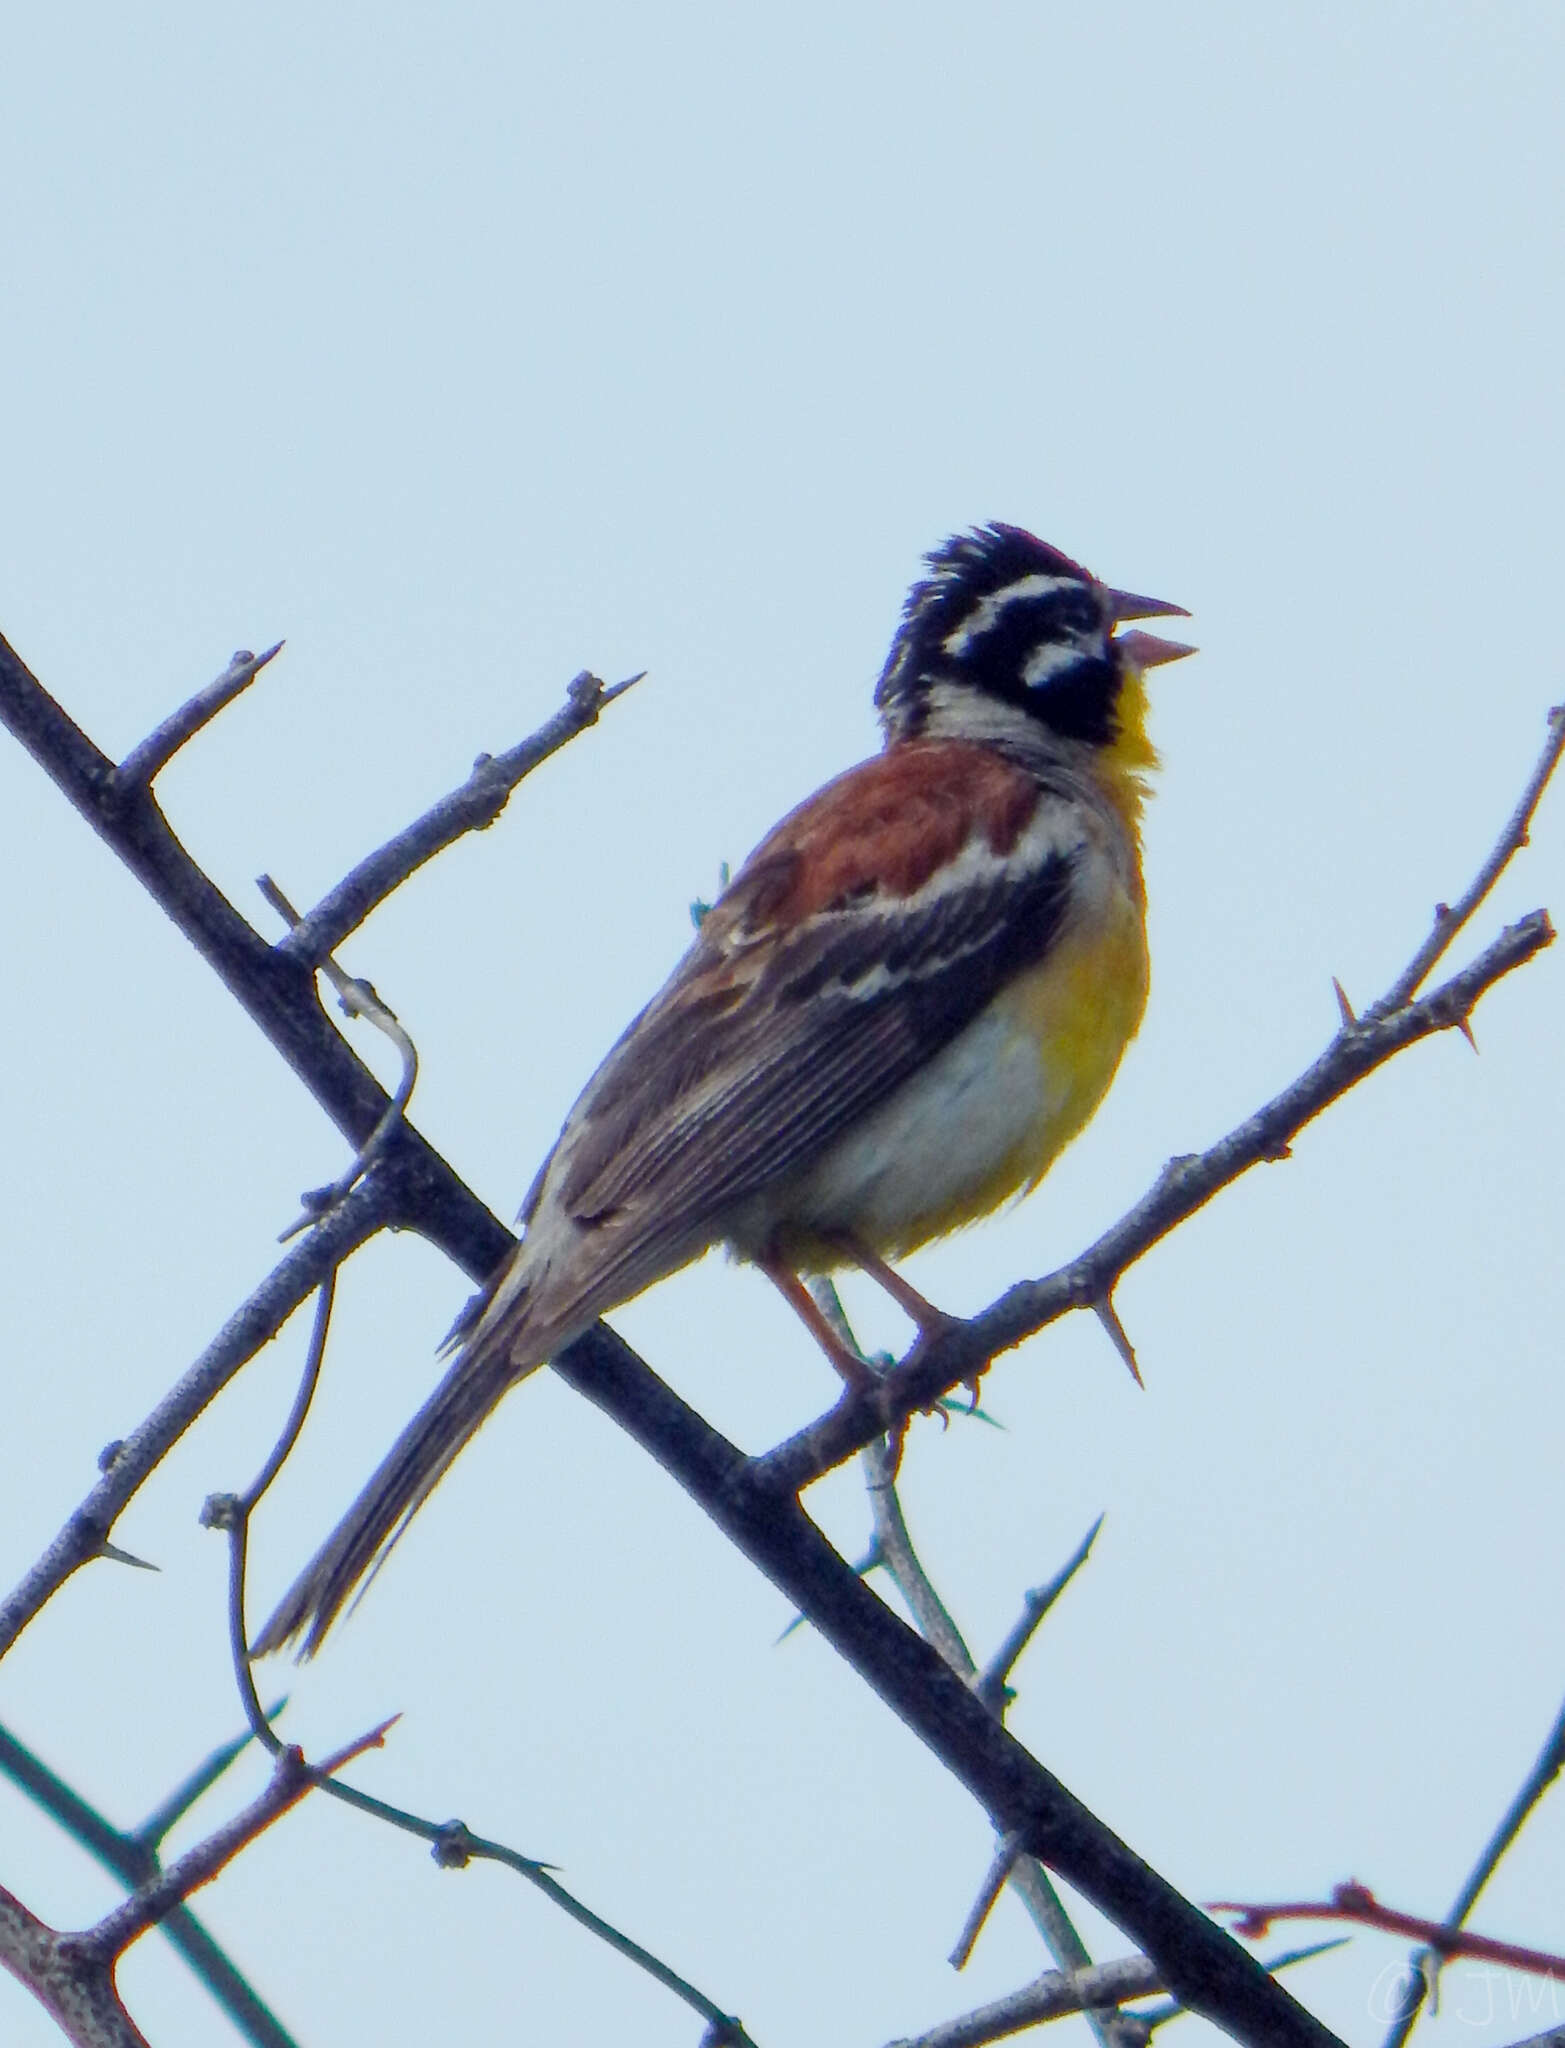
858, 1377
930, 1320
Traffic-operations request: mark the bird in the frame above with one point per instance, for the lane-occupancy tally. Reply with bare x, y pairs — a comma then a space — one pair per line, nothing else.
901, 1008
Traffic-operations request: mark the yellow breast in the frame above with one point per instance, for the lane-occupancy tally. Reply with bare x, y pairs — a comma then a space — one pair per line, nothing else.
988, 1116
1074, 1015
1080, 1008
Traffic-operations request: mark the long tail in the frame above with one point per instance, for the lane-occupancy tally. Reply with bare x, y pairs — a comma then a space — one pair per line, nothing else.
419, 1458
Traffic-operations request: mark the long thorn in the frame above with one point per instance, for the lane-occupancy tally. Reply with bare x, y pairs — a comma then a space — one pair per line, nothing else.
1103, 1308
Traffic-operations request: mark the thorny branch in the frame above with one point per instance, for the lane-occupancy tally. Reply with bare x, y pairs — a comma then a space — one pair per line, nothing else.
1187, 1184
1059, 1994
893, 1550
72, 1975
753, 1500
1053, 1995
291, 1778
1417, 1983
1358, 1904
145, 763
991, 1682
1450, 919
452, 1843
132, 1855
471, 808
960, 1350
274, 986
130, 1462
355, 998
231, 1513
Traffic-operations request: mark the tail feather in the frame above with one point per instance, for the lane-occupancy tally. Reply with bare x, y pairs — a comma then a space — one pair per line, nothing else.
534, 1303
361, 1541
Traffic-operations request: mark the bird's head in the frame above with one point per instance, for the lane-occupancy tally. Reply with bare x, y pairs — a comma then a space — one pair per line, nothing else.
1003, 624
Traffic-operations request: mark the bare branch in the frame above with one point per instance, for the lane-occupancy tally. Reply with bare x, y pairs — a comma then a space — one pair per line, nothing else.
470, 808
1416, 1986
231, 1512
959, 1350
355, 998
1054, 1995
412, 1186
1450, 918
73, 1974
1057, 1994
169, 1812
276, 991
1205, 1969
1358, 1904
1007, 1854
79, 1996
894, 1550
452, 1843
454, 1846
291, 1778
137, 1456
146, 761
990, 1683
132, 1858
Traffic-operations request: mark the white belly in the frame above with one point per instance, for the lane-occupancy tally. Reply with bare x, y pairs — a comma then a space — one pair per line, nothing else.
948, 1133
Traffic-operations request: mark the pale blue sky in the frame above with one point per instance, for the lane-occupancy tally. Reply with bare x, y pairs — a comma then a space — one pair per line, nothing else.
468, 347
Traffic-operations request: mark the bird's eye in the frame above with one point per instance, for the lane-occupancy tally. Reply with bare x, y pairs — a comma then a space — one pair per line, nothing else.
1076, 613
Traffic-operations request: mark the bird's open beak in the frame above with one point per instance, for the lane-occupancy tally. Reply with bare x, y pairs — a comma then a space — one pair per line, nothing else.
1124, 604
1147, 650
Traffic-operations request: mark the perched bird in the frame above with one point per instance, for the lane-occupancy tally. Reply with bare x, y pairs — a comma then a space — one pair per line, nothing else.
904, 1005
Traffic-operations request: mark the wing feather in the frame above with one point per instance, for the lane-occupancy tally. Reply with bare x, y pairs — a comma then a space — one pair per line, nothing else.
772, 1038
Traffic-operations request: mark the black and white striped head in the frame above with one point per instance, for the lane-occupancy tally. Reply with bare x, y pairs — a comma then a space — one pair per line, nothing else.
1003, 616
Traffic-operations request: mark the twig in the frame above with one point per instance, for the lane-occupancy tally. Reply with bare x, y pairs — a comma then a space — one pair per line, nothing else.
291, 1778
469, 808
990, 1684
1054, 1995
413, 1185
960, 1349
453, 1845
1357, 1903
72, 1975
1416, 1985
278, 993
132, 1857
355, 998
1160, 2015
891, 1543
169, 1812
1201, 1965
146, 761
231, 1513
893, 1548
1450, 918
1057, 1994
137, 1456
1007, 1854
